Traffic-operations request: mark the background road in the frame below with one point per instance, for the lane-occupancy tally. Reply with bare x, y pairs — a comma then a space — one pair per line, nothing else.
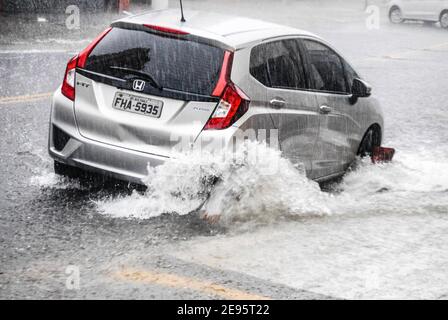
383, 233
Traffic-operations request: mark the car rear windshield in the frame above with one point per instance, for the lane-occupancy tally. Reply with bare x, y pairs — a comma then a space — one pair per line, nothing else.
173, 63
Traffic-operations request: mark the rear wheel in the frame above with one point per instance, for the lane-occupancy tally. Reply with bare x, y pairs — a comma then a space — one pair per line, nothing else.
444, 19
371, 139
395, 15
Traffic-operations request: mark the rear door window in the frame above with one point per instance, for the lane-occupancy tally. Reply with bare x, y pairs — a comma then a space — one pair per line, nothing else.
325, 68
174, 63
278, 65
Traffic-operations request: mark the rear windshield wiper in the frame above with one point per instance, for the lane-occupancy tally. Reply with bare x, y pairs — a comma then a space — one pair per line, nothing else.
145, 75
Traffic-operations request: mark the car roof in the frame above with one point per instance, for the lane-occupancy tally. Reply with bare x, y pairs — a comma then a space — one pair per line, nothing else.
234, 31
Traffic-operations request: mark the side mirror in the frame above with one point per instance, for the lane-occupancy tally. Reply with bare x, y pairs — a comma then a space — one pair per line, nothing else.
361, 89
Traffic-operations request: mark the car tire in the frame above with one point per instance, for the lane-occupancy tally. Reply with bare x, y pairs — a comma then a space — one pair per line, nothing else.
444, 19
62, 169
396, 16
371, 139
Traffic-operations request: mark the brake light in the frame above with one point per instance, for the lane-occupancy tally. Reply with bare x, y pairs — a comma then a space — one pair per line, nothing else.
84, 54
232, 106
166, 29
68, 85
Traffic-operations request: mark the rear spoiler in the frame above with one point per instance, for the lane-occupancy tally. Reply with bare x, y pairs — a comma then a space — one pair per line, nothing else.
159, 31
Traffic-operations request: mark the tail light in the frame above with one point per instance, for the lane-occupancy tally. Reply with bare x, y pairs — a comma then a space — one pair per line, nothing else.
68, 85
233, 104
231, 107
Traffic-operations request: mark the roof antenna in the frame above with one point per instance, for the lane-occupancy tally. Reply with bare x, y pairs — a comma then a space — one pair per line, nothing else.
182, 19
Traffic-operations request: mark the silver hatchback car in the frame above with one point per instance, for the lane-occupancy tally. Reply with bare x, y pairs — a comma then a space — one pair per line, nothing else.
150, 77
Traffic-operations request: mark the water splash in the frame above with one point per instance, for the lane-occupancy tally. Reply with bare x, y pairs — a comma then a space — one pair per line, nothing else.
252, 181
409, 184
47, 179
268, 187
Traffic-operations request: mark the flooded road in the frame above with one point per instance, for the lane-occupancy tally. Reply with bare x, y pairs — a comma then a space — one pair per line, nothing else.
380, 233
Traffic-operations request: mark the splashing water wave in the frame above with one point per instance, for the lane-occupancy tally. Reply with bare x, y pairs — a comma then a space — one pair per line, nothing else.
253, 180
269, 186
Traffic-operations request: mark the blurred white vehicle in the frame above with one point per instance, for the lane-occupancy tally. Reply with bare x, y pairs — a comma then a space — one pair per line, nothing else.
423, 10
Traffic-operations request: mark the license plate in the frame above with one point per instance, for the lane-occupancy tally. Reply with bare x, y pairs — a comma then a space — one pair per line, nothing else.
139, 105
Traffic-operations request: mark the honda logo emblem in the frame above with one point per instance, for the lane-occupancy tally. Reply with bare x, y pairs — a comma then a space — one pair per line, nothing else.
138, 85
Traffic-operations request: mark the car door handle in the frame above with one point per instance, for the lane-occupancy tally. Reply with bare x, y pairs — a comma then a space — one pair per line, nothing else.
277, 103
325, 109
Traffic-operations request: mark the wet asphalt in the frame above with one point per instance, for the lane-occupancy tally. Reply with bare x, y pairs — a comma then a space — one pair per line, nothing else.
45, 229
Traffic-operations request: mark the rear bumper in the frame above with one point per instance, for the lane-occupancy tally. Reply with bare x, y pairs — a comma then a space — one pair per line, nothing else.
105, 159
94, 156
